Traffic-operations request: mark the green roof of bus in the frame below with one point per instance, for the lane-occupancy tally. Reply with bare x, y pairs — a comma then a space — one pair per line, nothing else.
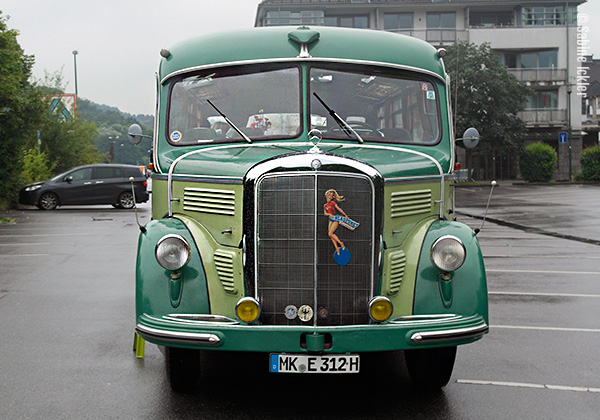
273, 43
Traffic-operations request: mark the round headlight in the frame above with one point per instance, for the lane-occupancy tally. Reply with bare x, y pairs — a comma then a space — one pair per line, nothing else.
380, 309
448, 253
247, 309
172, 252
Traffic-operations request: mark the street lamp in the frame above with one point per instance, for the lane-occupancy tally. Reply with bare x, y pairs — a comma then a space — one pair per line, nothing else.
569, 130
75, 66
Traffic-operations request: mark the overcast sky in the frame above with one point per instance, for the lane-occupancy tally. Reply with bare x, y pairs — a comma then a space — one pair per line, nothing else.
118, 41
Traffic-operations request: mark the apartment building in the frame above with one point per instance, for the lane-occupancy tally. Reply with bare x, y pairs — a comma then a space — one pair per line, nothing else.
536, 39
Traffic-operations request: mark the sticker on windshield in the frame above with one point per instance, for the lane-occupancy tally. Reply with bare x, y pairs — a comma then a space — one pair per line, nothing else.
176, 136
431, 94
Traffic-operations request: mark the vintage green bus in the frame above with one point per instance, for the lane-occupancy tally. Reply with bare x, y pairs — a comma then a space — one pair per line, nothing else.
302, 206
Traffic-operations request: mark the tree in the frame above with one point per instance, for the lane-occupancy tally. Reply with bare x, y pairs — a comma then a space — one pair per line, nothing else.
487, 97
21, 110
67, 143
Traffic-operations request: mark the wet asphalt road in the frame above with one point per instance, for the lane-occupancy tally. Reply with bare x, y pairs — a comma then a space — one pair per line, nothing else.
67, 318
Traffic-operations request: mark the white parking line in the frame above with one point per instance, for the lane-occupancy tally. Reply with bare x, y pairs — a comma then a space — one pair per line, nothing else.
544, 294
522, 327
24, 255
29, 244
528, 385
45, 234
491, 270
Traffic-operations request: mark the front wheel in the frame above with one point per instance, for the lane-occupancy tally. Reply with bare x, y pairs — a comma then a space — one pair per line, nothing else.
183, 368
48, 201
430, 368
126, 200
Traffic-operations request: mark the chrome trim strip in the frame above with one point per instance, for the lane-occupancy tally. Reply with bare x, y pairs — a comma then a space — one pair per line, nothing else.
381, 147
427, 337
180, 337
295, 60
424, 318
315, 243
201, 319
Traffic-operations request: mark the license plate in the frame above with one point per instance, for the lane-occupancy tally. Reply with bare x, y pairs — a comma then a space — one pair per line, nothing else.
302, 363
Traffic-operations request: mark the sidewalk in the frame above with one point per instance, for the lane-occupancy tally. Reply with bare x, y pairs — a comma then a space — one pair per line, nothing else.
571, 211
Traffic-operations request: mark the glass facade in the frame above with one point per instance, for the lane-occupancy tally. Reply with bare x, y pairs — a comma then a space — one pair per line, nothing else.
548, 16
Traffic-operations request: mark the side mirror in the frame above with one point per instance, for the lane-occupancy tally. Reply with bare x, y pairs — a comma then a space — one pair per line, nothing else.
69, 179
135, 134
470, 138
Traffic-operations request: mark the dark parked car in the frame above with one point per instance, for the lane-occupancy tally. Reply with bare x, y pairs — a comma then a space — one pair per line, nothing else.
91, 184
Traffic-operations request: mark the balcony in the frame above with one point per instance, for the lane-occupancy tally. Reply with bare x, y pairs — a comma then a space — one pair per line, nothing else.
544, 117
541, 76
437, 37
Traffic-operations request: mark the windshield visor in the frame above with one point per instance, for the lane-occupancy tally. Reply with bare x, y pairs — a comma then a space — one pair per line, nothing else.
379, 106
262, 102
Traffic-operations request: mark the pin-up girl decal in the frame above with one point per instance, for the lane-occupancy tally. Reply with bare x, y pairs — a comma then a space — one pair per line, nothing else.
341, 255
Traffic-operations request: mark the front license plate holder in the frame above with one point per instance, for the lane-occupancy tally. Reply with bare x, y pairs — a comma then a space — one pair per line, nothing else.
306, 363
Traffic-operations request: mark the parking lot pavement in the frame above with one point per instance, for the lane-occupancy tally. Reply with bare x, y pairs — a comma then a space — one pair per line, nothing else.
569, 211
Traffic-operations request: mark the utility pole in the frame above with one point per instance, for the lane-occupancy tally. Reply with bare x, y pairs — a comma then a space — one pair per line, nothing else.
75, 67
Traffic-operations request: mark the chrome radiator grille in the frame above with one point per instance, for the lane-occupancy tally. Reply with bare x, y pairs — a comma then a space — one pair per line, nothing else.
295, 263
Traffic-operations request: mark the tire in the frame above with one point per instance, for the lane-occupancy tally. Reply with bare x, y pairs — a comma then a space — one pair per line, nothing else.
48, 201
183, 368
430, 368
126, 200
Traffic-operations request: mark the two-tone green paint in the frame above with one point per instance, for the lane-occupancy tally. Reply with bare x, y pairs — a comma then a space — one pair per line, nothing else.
274, 45
407, 235
155, 286
467, 286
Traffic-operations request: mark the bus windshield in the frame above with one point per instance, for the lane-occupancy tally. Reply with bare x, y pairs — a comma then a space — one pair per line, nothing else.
378, 106
262, 102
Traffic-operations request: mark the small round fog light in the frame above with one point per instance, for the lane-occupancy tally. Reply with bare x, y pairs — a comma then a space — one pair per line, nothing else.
172, 252
247, 309
448, 253
380, 309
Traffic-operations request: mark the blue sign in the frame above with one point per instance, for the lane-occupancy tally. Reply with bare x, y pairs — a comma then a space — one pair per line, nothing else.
562, 137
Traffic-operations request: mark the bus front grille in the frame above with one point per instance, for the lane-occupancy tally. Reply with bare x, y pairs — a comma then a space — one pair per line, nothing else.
296, 269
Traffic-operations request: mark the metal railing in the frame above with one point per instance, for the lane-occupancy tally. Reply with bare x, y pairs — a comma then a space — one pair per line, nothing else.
552, 116
550, 75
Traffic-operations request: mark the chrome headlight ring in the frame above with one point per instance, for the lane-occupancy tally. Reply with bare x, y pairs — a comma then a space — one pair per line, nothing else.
172, 252
448, 253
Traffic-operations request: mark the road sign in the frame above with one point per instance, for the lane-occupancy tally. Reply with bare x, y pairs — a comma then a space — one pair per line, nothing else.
562, 137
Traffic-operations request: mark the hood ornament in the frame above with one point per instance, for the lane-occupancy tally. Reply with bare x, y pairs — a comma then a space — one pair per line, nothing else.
315, 136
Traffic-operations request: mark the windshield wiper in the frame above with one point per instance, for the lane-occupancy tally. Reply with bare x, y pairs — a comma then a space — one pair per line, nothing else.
346, 128
240, 132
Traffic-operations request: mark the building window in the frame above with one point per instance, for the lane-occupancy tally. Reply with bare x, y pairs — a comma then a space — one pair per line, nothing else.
490, 19
361, 22
444, 20
530, 59
393, 21
548, 16
285, 17
543, 99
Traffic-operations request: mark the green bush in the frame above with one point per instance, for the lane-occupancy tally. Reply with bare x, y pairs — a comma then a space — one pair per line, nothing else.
590, 164
538, 162
36, 167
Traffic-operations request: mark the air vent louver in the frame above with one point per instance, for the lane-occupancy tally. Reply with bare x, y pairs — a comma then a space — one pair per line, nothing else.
410, 203
209, 201
224, 265
397, 265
